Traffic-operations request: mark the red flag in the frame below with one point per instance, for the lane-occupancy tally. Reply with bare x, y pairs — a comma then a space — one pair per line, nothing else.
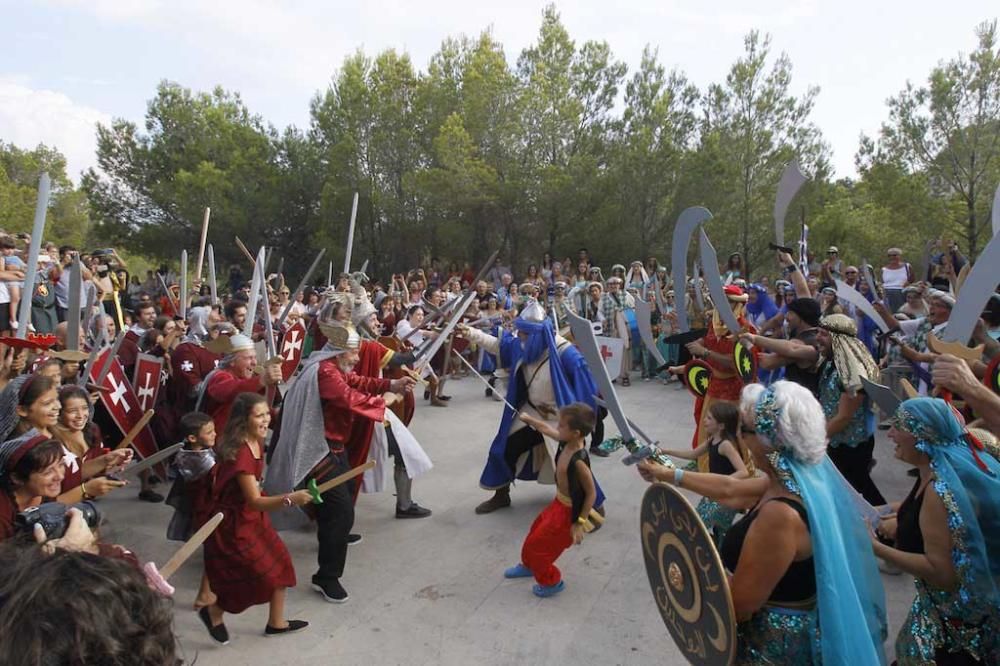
291, 349
146, 379
123, 404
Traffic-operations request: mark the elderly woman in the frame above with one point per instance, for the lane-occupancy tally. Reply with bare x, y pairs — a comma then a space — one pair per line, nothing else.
947, 535
805, 588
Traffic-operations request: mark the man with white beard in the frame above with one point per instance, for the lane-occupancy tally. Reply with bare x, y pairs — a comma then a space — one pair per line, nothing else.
318, 416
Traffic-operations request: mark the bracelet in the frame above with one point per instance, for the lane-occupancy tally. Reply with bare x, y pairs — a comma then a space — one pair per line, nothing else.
581, 520
678, 476
83, 489
706, 354
286, 501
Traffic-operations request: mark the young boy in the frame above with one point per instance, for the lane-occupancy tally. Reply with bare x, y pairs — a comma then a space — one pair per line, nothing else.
563, 522
192, 487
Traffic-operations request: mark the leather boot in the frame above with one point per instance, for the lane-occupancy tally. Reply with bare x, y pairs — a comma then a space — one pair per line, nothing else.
500, 500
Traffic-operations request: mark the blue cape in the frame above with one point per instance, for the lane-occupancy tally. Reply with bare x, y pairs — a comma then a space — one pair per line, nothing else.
571, 382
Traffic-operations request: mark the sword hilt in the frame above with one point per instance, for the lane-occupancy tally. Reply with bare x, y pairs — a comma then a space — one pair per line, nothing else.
313, 489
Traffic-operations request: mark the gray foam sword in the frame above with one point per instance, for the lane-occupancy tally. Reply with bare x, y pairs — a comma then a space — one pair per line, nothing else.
848, 293
73, 314
213, 287
687, 222
34, 248
710, 260
643, 314
979, 287
791, 181
996, 212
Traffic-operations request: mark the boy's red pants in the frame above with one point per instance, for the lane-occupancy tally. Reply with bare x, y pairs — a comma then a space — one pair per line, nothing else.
549, 536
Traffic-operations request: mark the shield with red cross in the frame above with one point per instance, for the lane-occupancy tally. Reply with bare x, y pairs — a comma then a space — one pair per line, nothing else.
146, 379
291, 349
613, 352
123, 404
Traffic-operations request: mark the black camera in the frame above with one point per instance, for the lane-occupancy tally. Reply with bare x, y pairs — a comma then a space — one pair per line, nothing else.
52, 517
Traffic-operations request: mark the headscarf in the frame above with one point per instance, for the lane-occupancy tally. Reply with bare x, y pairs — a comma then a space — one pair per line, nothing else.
850, 356
850, 598
968, 483
9, 399
764, 305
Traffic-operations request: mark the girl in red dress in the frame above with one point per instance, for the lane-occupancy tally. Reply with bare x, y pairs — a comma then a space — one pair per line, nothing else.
245, 560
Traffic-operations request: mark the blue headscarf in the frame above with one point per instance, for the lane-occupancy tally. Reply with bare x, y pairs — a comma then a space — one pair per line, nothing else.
541, 337
968, 483
849, 593
763, 304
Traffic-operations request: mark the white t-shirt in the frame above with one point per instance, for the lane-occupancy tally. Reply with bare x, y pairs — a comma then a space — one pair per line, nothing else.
403, 329
894, 278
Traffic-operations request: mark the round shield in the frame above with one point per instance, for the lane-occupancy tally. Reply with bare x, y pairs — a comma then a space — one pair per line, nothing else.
697, 375
745, 362
992, 377
686, 576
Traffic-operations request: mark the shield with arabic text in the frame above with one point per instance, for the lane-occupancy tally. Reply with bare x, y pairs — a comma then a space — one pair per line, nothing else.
687, 578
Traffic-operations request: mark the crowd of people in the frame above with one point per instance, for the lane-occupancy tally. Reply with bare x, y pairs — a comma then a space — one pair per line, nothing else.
275, 396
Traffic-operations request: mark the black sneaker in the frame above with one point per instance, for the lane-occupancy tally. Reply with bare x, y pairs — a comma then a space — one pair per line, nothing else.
150, 496
293, 626
354, 539
332, 591
414, 511
599, 452
219, 633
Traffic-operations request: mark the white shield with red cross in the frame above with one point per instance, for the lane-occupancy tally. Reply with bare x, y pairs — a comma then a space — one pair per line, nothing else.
146, 379
613, 352
291, 349
120, 400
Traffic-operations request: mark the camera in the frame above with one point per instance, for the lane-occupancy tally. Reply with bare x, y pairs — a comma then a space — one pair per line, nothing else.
52, 517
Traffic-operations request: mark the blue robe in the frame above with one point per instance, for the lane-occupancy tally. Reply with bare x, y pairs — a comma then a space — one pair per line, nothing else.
571, 381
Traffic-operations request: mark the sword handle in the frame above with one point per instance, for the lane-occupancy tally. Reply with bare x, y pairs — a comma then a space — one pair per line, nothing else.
313, 489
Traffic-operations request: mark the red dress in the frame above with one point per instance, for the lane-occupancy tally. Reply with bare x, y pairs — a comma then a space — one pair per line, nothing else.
245, 560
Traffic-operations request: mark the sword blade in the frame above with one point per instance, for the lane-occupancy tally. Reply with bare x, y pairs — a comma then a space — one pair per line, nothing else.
854, 297
213, 287
201, 245
687, 222
643, 314
154, 459
34, 248
346, 476
483, 379
73, 316
255, 285
977, 290
302, 285
183, 295
710, 263
996, 212
790, 183
350, 234
190, 546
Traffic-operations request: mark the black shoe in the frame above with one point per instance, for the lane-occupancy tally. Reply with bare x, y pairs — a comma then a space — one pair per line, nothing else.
150, 496
415, 511
427, 395
219, 633
354, 539
332, 591
446, 398
500, 500
293, 626
599, 452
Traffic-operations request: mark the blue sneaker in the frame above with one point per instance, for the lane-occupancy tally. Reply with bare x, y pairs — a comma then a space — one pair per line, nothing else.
518, 571
549, 590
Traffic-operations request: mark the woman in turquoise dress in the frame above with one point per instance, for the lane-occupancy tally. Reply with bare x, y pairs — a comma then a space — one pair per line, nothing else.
947, 536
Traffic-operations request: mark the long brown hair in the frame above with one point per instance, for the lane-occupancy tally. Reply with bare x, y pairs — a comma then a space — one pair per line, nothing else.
235, 434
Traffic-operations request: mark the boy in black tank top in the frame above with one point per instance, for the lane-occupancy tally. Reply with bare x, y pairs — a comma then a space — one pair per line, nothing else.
563, 522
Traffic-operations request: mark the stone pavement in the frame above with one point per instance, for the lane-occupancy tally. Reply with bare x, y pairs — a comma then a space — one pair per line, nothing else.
432, 591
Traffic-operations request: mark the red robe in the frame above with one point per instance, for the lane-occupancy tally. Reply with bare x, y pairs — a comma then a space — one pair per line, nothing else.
129, 352
221, 391
372, 358
245, 559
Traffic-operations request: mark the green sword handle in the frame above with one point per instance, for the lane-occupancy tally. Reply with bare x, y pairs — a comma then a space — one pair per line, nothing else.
313, 489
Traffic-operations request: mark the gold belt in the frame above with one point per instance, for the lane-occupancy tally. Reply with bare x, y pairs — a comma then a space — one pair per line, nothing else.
593, 518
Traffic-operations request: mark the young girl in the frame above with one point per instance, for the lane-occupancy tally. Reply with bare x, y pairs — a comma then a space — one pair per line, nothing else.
724, 457
245, 560
86, 459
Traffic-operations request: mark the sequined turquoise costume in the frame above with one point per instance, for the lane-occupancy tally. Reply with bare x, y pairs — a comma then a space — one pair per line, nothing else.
717, 518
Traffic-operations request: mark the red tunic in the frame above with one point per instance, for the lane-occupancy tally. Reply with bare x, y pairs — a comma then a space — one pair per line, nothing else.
129, 352
245, 559
221, 391
8, 509
372, 357
345, 397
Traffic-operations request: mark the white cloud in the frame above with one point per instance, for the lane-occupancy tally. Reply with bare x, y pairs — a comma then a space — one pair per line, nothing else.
29, 117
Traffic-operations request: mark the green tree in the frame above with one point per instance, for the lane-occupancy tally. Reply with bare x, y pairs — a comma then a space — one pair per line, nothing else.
949, 130
753, 126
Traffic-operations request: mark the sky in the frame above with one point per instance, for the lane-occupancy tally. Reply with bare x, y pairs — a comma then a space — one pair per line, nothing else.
69, 64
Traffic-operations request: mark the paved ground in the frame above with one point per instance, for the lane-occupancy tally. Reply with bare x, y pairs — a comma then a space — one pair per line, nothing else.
432, 591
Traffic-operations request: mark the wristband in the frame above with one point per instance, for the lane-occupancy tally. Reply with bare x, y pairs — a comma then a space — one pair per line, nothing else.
286, 501
678, 476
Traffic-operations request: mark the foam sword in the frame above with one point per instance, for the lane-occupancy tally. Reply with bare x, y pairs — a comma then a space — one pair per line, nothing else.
317, 490
190, 547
